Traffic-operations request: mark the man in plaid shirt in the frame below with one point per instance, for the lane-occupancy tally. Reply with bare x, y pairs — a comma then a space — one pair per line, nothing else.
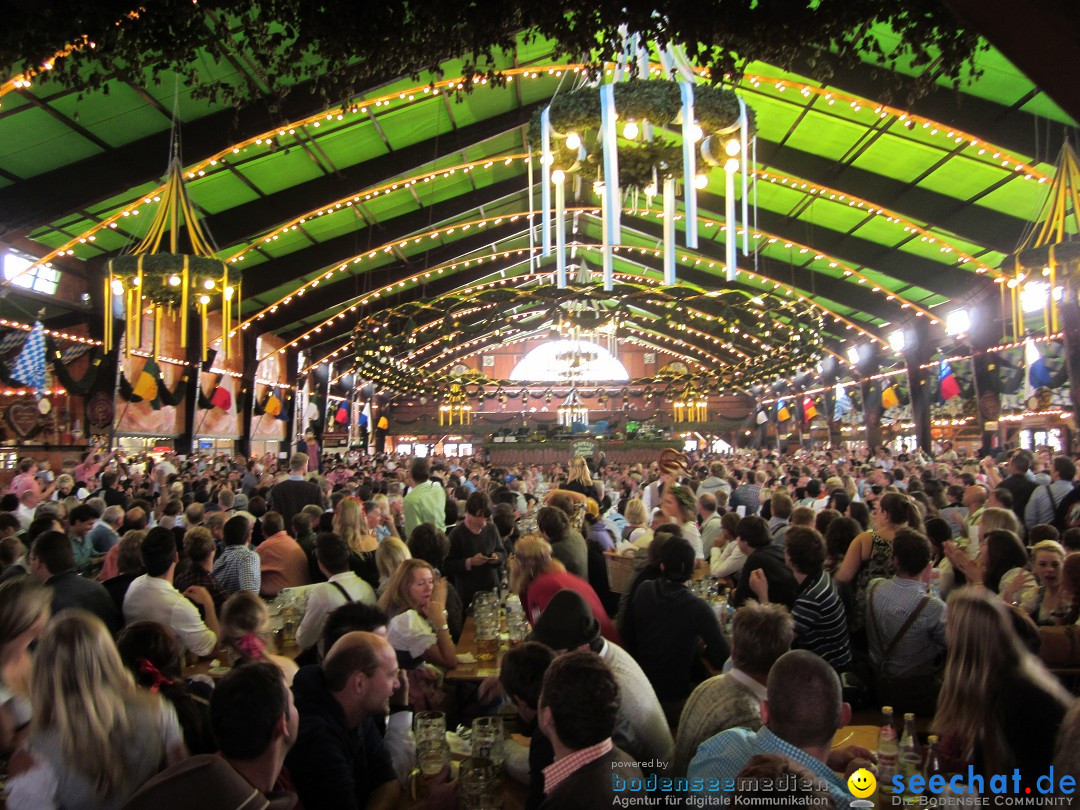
237, 569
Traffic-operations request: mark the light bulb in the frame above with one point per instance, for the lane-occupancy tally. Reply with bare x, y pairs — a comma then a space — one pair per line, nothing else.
208, 284
598, 188
630, 131
557, 176
117, 287
732, 146
732, 165
650, 190
229, 293
174, 280
204, 299
136, 281
573, 141
696, 133
701, 181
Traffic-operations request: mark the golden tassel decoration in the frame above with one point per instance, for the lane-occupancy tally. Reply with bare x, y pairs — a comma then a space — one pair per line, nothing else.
1050, 298
185, 285
157, 331
138, 300
224, 315
108, 311
127, 323
202, 312
1004, 321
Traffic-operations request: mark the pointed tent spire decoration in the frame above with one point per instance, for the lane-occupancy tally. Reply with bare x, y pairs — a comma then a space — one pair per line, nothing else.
1051, 246
163, 281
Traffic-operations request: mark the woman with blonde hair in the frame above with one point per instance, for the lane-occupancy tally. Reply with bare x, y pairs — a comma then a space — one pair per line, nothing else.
637, 529
245, 632
870, 555
350, 524
95, 738
999, 707
24, 612
390, 554
1050, 603
536, 577
415, 601
580, 480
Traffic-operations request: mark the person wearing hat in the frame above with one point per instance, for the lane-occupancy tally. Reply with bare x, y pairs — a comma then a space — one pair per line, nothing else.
642, 731
255, 723
673, 469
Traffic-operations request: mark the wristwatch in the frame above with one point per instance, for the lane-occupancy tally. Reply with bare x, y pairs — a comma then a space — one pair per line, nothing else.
444, 628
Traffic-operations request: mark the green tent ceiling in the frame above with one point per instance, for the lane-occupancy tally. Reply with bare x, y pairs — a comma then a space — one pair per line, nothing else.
871, 209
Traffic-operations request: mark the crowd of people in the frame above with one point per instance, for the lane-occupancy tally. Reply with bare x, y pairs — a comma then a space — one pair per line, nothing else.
852, 579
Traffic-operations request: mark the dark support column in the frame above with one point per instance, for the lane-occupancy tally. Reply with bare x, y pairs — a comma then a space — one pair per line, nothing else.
185, 443
1070, 323
987, 380
246, 394
916, 353
320, 377
871, 397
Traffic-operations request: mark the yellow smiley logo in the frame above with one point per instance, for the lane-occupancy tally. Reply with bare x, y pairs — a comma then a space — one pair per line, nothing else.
861, 783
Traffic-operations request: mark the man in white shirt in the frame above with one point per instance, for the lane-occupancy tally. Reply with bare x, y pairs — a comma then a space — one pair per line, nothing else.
342, 586
152, 597
711, 528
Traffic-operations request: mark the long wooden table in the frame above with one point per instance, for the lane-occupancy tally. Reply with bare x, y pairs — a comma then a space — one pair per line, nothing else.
481, 669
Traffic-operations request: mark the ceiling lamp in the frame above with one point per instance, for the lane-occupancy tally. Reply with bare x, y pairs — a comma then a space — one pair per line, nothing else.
691, 405
573, 410
156, 283
454, 407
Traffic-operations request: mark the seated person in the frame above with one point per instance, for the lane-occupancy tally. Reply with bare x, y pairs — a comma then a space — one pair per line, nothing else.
669, 624
521, 676
579, 704
760, 635
762, 554
820, 621
800, 715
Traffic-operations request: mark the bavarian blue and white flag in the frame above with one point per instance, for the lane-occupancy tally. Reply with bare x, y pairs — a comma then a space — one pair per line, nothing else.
29, 368
843, 403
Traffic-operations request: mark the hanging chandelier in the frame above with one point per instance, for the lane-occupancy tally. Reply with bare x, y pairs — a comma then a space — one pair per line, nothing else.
170, 284
573, 410
691, 405
454, 408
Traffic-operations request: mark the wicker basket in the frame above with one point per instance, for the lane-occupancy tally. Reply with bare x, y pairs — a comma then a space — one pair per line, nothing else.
620, 569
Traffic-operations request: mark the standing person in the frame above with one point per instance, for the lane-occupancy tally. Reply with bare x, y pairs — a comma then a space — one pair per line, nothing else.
426, 500
579, 704
476, 551
352, 527
870, 555
580, 480
567, 544
1018, 482
677, 504
84, 760
313, 450
712, 523
1043, 503
291, 495
382, 427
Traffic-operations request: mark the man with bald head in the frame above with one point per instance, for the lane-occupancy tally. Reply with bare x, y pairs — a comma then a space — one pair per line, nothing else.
340, 759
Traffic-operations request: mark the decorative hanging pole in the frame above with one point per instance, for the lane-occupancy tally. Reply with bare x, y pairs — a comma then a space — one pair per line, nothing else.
611, 200
546, 159
559, 179
744, 135
690, 132
669, 231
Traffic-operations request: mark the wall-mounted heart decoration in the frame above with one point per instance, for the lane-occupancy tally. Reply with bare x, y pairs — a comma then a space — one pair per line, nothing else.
24, 419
